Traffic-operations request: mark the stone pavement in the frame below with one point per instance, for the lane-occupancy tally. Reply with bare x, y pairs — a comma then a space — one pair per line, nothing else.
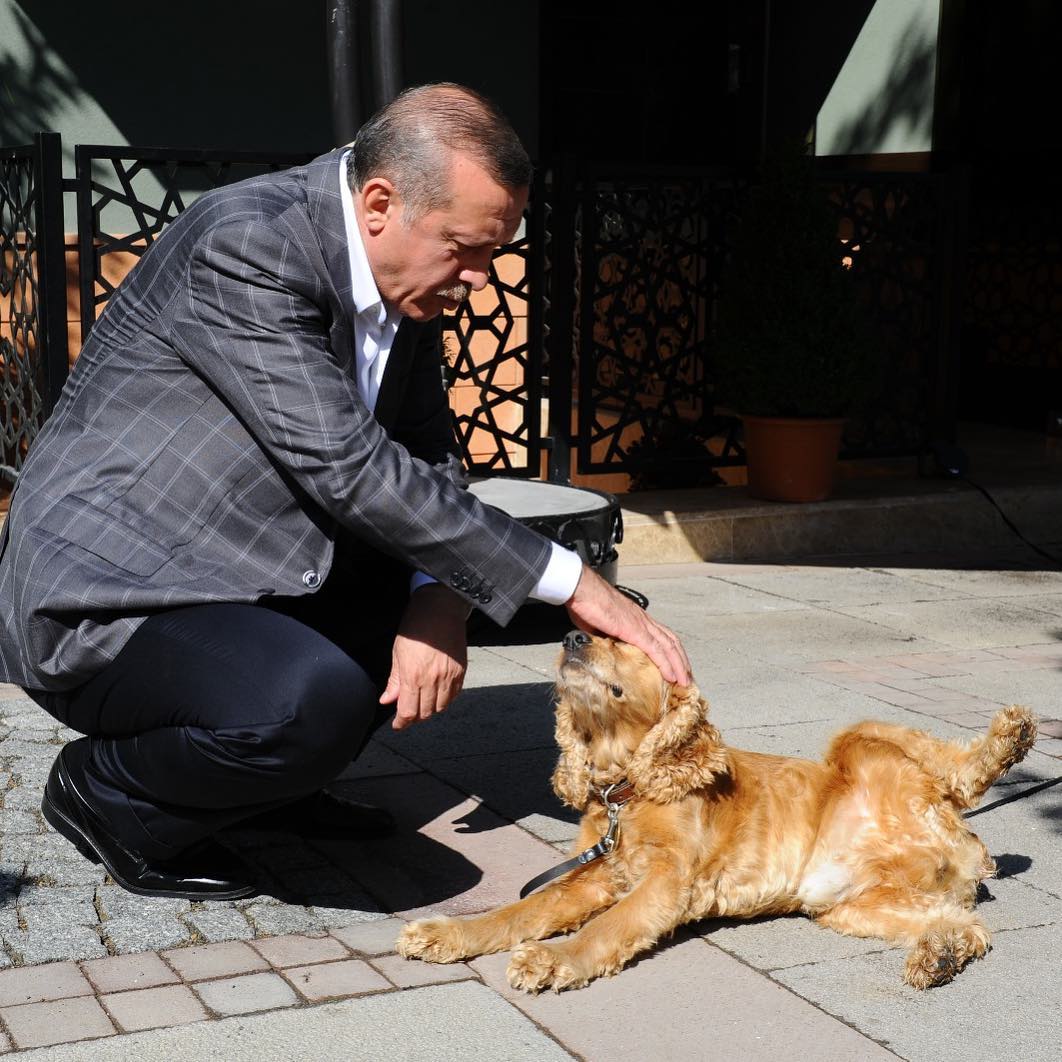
787, 654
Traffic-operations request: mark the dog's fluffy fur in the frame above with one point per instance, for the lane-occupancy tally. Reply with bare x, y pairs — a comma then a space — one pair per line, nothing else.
870, 842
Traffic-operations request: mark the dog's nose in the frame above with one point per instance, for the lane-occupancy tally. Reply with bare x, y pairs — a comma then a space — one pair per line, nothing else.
574, 640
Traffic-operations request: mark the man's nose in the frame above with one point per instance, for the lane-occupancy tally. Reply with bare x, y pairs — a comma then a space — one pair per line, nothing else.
476, 279
576, 640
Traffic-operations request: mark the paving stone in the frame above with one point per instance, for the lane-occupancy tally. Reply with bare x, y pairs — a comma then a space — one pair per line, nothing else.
377, 759
70, 870
22, 798
365, 910
43, 1024
371, 938
444, 1023
318, 883
516, 785
130, 935
153, 1008
117, 903
118, 973
676, 995
220, 925
777, 943
246, 994
299, 950
411, 973
332, 980
16, 820
35, 895
42, 984
215, 960
450, 855
56, 941
1008, 992
270, 920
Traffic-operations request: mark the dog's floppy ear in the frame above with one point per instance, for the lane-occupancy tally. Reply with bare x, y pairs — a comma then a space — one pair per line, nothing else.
681, 753
571, 779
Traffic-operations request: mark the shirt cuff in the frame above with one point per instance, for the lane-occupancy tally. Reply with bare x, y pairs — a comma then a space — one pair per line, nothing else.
419, 579
561, 577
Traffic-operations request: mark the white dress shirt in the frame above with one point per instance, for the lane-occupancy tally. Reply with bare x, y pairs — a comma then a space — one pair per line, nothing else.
375, 326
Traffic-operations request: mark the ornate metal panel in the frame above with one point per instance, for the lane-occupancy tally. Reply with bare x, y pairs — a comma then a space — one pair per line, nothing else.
651, 253
32, 325
1011, 321
493, 369
893, 228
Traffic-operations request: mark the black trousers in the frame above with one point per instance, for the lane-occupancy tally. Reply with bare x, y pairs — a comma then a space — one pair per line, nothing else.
213, 713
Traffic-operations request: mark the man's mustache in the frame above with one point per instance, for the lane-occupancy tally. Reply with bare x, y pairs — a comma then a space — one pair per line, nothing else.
456, 292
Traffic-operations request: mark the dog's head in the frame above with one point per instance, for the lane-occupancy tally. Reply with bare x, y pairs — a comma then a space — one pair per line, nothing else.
617, 716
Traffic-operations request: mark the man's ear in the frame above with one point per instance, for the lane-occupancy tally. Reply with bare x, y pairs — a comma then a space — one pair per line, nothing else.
379, 203
682, 752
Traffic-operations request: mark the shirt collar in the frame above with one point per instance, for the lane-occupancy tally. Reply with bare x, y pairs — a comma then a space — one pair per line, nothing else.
366, 295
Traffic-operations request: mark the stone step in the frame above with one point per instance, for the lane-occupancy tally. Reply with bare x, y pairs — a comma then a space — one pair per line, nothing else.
866, 516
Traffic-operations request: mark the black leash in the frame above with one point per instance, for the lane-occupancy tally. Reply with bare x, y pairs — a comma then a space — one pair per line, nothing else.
622, 792
1014, 796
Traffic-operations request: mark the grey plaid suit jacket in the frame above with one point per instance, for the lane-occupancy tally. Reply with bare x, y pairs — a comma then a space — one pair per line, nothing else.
211, 442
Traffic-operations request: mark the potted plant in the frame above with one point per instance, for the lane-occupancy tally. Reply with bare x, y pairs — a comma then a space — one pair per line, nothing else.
793, 353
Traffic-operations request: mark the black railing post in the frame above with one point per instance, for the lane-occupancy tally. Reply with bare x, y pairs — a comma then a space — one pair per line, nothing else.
344, 75
51, 269
86, 242
561, 323
385, 47
953, 195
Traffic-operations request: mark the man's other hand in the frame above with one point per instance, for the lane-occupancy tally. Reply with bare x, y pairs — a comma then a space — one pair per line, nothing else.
599, 608
429, 657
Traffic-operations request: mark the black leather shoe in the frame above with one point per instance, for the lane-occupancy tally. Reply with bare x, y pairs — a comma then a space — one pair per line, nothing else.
206, 871
324, 814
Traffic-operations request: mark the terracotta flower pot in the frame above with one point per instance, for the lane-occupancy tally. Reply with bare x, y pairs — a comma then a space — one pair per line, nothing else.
792, 459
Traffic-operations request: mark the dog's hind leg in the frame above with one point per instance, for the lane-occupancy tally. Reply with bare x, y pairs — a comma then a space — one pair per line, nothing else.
942, 935
562, 906
966, 768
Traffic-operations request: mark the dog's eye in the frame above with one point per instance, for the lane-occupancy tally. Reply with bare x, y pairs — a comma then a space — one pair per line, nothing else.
617, 691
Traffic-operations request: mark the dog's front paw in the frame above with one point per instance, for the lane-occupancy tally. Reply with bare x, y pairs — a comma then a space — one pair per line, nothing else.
433, 940
538, 966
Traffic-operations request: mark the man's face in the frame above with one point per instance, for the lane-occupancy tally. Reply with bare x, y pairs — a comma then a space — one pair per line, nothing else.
435, 262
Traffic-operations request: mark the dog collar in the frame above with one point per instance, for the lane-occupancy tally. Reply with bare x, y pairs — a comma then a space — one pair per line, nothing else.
613, 796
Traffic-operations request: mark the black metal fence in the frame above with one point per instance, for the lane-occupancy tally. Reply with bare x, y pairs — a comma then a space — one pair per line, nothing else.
33, 350
600, 312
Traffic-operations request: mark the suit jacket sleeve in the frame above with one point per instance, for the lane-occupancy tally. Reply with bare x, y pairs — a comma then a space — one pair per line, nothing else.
255, 325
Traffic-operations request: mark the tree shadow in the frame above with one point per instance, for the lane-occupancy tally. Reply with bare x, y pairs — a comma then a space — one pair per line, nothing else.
33, 92
907, 97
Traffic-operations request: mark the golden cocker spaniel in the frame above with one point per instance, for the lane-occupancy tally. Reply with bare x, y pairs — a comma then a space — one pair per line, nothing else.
870, 842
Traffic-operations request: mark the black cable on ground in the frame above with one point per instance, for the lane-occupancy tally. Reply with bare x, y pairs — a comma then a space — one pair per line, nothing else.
1010, 523
1014, 796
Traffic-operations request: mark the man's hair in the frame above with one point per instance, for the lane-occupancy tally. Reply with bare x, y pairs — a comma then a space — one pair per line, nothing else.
409, 142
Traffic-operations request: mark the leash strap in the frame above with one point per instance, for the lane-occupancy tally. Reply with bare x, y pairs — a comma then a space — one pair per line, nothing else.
1014, 796
614, 797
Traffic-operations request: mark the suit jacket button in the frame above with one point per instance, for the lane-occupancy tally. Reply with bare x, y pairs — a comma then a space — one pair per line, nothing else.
311, 579
485, 597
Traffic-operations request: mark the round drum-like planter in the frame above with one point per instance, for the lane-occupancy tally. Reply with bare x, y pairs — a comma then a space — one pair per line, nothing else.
792, 459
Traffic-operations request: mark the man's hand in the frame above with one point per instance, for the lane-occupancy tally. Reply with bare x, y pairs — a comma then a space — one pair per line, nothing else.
429, 657
599, 608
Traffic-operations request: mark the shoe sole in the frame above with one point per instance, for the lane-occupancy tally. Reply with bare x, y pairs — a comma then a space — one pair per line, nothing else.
64, 826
